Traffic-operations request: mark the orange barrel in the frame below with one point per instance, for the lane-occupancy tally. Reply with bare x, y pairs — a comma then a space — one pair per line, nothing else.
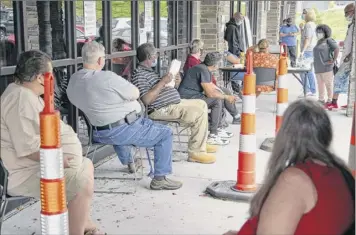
282, 90
54, 216
352, 154
247, 149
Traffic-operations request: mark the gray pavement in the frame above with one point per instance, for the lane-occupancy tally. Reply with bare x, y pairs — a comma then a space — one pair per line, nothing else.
118, 210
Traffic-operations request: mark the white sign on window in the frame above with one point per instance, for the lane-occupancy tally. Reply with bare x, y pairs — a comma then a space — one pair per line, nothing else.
89, 18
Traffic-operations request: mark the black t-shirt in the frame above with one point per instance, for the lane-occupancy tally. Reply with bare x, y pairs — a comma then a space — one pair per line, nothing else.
190, 87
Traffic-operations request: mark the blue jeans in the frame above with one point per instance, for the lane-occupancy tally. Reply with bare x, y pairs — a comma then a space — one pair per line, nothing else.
309, 77
341, 79
142, 133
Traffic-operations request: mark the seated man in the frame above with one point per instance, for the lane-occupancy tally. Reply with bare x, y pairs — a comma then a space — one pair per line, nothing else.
197, 84
193, 59
110, 103
21, 105
164, 103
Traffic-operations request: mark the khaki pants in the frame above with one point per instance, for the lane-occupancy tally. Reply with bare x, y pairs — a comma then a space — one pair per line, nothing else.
193, 113
75, 178
325, 80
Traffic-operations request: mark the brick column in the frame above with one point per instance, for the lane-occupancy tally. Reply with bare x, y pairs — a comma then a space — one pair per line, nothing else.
352, 89
273, 22
196, 31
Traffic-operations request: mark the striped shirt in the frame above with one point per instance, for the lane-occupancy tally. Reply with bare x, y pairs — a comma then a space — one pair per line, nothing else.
145, 79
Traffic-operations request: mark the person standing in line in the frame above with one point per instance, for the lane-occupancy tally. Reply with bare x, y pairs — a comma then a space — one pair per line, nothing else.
325, 52
234, 34
308, 41
341, 80
288, 34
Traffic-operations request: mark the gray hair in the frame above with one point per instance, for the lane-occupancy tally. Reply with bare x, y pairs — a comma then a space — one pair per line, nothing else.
31, 64
92, 51
145, 51
212, 59
305, 134
196, 45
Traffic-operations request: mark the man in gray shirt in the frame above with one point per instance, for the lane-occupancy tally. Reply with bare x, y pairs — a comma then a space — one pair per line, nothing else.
110, 103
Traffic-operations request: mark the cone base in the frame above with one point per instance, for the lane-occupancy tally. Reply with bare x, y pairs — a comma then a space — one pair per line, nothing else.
267, 144
225, 190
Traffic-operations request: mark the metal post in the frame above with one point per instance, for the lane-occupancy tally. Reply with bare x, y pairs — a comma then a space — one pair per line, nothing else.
70, 29
54, 215
156, 30
107, 24
20, 24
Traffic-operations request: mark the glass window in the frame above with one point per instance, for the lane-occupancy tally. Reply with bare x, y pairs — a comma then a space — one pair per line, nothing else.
7, 36
165, 61
183, 22
182, 56
145, 22
166, 23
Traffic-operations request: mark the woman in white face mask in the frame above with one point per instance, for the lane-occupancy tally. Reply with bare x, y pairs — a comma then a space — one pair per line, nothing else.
325, 53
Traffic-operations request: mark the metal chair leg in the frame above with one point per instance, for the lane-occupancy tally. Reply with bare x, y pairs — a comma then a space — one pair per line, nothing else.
92, 159
2, 211
88, 149
178, 134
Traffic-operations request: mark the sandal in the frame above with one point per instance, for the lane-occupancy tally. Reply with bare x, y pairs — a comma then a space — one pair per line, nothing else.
93, 232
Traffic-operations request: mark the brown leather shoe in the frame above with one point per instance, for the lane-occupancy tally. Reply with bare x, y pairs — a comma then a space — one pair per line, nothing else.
203, 158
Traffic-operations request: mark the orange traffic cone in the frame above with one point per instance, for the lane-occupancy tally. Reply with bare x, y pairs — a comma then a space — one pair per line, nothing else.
54, 216
352, 154
282, 91
247, 150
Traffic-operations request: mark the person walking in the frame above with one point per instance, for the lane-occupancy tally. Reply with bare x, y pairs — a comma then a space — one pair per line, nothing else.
288, 34
325, 53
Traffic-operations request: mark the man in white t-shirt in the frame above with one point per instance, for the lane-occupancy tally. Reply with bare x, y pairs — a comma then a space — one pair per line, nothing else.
341, 79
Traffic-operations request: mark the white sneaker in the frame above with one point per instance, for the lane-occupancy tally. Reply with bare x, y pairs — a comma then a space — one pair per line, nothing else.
224, 134
307, 94
216, 140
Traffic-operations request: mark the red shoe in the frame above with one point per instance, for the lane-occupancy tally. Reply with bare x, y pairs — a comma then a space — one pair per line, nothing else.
332, 106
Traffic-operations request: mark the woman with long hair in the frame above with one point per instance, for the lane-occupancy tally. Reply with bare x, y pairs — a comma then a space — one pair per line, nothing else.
307, 189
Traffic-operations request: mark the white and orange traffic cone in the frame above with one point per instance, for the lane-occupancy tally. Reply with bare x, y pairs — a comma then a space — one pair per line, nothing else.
352, 154
54, 216
282, 90
247, 150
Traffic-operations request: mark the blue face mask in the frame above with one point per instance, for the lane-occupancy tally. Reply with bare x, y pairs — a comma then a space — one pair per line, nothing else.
154, 63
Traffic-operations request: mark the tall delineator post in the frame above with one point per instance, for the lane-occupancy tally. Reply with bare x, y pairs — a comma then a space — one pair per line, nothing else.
246, 174
54, 216
282, 95
352, 153
282, 90
245, 186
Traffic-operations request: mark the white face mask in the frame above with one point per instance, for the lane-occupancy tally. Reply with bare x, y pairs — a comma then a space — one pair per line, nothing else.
349, 18
320, 36
239, 22
154, 63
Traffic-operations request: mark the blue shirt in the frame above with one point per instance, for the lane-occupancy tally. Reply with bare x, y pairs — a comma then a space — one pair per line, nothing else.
289, 40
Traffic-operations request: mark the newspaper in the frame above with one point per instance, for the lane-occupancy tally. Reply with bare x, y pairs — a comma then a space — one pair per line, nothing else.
174, 70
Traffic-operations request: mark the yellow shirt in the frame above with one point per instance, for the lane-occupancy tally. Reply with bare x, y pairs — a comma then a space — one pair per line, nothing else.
20, 134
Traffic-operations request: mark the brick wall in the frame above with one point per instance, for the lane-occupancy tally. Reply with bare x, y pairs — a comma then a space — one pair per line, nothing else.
273, 22
352, 90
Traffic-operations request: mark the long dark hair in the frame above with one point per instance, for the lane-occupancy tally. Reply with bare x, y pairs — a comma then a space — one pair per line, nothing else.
306, 133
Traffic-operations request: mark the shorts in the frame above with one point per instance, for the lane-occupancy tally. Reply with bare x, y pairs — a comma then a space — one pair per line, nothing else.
75, 180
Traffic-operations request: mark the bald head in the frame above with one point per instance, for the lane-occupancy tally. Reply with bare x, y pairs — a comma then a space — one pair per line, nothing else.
350, 11
238, 16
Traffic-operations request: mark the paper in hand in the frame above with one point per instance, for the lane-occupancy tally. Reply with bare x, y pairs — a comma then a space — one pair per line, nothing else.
174, 70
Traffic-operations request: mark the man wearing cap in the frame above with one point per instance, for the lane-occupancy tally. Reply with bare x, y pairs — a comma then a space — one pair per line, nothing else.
288, 34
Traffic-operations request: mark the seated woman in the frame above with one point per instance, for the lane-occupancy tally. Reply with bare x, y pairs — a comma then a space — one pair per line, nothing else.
122, 65
261, 59
193, 59
307, 189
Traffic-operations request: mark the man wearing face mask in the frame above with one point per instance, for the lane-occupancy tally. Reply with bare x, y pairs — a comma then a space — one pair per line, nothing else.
341, 79
111, 104
197, 84
164, 103
234, 34
288, 34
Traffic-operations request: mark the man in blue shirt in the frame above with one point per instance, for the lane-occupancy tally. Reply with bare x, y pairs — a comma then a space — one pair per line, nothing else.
288, 34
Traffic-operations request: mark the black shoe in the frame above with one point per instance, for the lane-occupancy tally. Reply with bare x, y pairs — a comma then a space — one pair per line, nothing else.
236, 120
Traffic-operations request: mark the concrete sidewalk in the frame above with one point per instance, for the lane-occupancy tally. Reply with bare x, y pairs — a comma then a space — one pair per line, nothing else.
188, 210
